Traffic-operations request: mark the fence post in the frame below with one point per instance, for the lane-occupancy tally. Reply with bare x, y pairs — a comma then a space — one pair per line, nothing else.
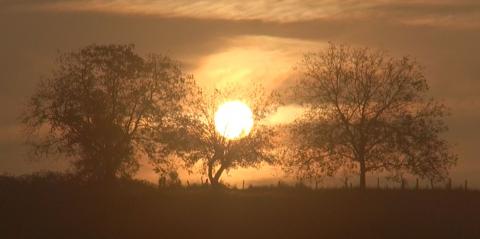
417, 185
243, 184
403, 184
378, 182
431, 183
316, 185
346, 182
449, 185
466, 185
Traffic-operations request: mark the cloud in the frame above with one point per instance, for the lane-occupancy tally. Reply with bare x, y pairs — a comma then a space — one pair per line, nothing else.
437, 13
266, 34
265, 59
268, 10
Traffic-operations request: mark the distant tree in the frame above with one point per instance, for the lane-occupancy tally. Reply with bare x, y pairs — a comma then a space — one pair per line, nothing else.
199, 141
169, 180
367, 112
102, 105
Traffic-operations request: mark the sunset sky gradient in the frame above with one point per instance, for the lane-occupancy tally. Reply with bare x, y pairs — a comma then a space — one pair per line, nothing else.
235, 41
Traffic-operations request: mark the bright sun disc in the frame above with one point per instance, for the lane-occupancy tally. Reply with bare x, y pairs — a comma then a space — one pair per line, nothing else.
233, 120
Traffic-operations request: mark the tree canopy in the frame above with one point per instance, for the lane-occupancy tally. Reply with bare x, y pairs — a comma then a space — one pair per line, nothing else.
103, 105
199, 142
368, 112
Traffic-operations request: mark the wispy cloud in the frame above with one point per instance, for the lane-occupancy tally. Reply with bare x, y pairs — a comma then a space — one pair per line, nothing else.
268, 10
442, 13
259, 40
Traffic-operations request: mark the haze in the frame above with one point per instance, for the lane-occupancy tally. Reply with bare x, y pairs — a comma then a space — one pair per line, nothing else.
235, 41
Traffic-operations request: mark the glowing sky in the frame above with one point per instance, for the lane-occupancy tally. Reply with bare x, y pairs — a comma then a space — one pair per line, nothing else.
261, 40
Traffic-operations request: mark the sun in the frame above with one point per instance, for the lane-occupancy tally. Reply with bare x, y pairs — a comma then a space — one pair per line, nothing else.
234, 120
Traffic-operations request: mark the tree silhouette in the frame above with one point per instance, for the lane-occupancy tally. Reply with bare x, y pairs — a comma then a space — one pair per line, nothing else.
199, 142
102, 105
367, 111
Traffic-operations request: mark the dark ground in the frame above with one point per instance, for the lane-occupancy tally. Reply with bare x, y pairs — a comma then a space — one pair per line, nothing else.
39, 208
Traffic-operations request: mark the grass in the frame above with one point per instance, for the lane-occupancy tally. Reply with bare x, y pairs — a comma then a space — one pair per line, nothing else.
56, 207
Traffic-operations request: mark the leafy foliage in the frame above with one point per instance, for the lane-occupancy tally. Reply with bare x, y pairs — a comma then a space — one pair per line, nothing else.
102, 105
367, 111
199, 142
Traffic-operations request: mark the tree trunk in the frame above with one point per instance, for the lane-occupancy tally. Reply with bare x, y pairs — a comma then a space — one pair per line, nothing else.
110, 169
211, 178
215, 177
219, 172
213, 181
363, 184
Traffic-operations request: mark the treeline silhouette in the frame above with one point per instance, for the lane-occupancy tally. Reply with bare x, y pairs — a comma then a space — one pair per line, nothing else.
105, 106
53, 205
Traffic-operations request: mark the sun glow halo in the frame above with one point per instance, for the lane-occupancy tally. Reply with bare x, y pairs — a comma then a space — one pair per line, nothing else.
233, 120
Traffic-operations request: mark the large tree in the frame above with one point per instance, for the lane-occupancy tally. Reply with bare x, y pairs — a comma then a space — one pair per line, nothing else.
200, 143
368, 112
103, 105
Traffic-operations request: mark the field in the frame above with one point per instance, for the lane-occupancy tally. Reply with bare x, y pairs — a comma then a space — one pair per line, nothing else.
40, 208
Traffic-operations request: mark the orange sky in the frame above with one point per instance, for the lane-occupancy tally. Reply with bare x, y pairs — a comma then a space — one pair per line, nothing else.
223, 41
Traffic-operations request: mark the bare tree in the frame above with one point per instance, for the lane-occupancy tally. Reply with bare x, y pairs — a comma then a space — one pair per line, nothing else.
368, 112
102, 105
199, 142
